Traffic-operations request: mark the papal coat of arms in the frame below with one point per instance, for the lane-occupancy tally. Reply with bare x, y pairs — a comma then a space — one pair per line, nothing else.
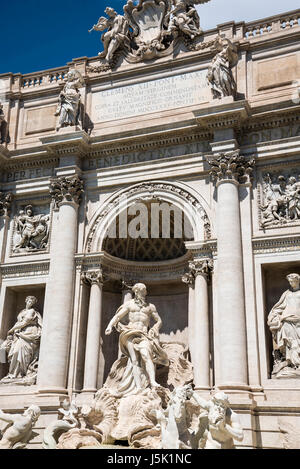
149, 29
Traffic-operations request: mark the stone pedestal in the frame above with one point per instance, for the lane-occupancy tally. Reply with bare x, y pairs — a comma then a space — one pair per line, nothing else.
55, 341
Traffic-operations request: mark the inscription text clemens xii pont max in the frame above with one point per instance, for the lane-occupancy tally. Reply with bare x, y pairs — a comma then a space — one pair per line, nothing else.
151, 96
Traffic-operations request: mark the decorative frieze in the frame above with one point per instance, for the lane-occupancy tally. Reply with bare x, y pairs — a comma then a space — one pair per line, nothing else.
5, 203
280, 204
231, 166
66, 189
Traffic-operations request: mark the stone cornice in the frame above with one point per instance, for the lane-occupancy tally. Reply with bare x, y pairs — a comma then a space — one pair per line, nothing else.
118, 269
67, 143
222, 114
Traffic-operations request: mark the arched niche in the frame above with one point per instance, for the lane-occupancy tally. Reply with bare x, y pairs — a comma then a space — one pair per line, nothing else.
180, 195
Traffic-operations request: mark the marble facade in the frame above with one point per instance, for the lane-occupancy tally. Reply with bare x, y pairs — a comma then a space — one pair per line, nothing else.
154, 125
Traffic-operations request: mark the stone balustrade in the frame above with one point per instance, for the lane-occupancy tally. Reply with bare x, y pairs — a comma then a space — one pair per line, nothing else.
273, 24
49, 77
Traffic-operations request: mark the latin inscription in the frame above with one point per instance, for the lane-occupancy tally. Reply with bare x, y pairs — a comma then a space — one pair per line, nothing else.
271, 134
139, 156
152, 96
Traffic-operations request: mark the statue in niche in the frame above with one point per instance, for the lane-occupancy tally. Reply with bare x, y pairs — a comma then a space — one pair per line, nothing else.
219, 76
138, 343
69, 108
117, 34
32, 231
284, 323
19, 429
22, 345
4, 135
184, 18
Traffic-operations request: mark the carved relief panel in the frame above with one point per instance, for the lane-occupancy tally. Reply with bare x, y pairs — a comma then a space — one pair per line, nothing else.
279, 203
31, 228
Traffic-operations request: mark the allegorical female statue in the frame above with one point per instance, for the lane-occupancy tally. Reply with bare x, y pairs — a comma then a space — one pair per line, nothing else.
22, 345
284, 323
219, 74
69, 100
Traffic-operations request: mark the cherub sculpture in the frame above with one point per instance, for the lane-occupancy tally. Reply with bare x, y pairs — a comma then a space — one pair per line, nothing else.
19, 431
69, 100
117, 33
184, 18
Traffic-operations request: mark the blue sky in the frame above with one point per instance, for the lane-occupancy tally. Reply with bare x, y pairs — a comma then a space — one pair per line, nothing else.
38, 35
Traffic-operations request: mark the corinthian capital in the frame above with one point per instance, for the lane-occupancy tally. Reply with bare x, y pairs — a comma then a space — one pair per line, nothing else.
231, 166
93, 277
66, 189
198, 267
5, 203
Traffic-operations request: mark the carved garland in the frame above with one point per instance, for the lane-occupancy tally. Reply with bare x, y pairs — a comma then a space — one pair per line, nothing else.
151, 188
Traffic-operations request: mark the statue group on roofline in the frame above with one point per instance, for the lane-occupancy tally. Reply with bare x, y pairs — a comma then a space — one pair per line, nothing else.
147, 400
148, 29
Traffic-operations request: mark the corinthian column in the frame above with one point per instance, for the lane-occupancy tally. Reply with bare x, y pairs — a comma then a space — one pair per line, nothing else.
54, 351
227, 171
5, 207
197, 279
93, 338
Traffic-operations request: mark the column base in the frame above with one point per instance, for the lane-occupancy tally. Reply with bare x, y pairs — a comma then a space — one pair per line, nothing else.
233, 387
52, 390
203, 388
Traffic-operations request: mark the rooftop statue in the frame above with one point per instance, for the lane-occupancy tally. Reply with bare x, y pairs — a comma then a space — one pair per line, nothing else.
68, 108
219, 74
4, 136
148, 29
117, 34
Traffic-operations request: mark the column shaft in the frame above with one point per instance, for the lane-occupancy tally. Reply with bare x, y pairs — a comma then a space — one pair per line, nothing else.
93, 339
54, 351
231, 307
200, 334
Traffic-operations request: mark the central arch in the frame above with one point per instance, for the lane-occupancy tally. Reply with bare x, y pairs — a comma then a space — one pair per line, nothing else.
179, 195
